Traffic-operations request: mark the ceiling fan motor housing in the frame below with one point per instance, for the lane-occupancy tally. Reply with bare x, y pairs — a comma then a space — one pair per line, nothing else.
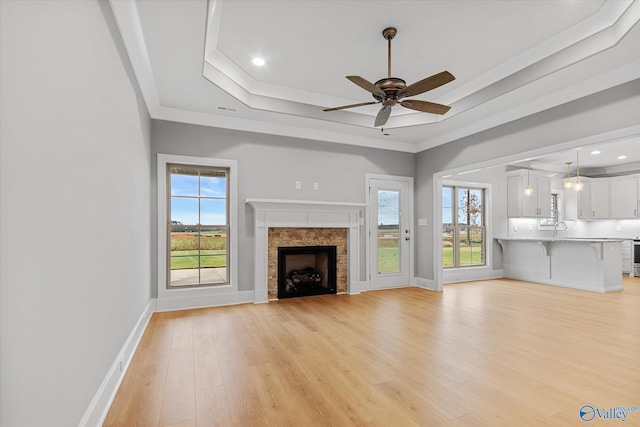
391, 86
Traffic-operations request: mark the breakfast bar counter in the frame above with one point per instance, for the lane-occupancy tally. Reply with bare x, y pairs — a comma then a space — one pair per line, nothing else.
587, 264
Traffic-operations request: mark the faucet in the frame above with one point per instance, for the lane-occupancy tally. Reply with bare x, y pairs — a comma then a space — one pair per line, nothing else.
555, 228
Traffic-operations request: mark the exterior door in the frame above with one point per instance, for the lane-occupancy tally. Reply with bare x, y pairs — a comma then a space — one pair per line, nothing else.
389, 233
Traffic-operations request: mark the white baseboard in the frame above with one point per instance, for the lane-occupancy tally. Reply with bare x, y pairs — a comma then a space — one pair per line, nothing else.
425, 283
101, 402
470, 273
185, 303
357, 287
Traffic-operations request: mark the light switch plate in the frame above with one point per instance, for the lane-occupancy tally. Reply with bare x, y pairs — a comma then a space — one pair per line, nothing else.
422, 221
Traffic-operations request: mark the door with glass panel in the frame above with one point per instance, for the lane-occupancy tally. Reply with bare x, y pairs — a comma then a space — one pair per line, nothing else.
390, 233
199, 227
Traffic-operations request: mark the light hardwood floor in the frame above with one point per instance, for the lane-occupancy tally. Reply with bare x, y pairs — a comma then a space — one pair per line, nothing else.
496, 352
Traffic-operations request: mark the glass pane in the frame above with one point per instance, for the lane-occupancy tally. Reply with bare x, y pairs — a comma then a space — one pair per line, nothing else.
184, 210
388, 231
471, 246
184, 185
185, 277
213, 241
447, 246
447, 205
213, 269
469, 206
184, 240
211, 186
213, 211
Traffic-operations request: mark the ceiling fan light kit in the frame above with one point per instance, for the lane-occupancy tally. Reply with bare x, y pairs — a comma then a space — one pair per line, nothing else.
390, 91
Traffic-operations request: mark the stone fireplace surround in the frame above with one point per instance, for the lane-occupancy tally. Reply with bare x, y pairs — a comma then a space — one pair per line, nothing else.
298, 214
296, 237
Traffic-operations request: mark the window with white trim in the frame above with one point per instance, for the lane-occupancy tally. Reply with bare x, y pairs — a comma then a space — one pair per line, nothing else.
198, 228
463, 226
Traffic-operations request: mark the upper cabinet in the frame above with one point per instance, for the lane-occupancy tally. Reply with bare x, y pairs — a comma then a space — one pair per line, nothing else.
519, 205
600, 200
624, 197
603, 198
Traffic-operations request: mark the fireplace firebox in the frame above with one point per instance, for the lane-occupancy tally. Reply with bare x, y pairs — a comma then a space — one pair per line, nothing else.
306, 270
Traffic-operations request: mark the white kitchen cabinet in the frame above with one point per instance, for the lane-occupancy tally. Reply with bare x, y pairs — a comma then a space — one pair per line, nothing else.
514, 196
600, 200
593, 200
538, 204
624, 197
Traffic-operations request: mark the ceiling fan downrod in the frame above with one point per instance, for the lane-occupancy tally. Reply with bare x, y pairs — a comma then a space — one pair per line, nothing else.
389, 33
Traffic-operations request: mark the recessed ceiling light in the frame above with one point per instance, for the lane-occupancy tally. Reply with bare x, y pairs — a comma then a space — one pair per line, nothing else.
622, 157
595, 152
258, 62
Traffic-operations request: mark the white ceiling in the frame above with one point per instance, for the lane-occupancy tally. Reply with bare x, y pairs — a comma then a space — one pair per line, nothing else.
511, 59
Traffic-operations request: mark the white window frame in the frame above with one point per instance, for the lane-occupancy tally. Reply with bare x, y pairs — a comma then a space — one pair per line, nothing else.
456, 231
475, 272
560, 201
201, 296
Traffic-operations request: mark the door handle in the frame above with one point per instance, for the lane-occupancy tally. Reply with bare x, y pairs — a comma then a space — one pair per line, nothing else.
407, 238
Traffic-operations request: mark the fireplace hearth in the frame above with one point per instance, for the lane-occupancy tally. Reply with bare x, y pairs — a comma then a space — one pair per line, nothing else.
306, 271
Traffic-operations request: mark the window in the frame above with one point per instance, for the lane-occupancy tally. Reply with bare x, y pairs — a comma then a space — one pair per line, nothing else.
553, 218
463, 227
198, 229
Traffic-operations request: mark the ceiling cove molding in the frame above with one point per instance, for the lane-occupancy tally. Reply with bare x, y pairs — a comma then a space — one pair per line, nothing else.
595, 34
128, 21
234, 123
580, 89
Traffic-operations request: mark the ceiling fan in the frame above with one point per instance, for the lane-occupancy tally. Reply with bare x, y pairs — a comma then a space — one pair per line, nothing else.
392, 90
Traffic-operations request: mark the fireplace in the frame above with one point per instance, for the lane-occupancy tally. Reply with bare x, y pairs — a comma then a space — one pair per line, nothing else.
290, 223
306, 270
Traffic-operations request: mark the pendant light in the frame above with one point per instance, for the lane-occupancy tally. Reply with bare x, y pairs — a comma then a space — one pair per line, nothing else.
529, 190
579, 185
567, 181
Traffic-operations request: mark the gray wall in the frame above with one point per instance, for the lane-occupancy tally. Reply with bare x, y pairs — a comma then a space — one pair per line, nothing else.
268, 167
609, 110
74, 207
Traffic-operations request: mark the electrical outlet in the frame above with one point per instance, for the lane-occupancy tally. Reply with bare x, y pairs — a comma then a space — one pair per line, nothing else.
515, 227
298, 185
315, 185
530, 227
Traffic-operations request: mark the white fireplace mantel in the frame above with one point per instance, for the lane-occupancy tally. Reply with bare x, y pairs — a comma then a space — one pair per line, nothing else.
303, 214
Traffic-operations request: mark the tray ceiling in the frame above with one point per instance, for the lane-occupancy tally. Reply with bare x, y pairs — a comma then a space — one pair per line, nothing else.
511, 59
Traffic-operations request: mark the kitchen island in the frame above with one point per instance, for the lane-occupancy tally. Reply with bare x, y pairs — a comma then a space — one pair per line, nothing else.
587, 264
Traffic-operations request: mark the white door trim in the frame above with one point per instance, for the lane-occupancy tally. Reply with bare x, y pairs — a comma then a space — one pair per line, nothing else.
409, 181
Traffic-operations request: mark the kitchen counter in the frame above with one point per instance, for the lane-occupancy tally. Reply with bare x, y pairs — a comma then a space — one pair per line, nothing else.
590, 264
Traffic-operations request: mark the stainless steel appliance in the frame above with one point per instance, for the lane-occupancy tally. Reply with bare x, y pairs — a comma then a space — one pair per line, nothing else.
636, 258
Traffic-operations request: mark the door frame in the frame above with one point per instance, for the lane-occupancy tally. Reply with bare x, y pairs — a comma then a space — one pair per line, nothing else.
409, 181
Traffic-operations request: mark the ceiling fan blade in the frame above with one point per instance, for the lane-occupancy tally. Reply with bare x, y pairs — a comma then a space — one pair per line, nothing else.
383, 116
427, 84
425, 106
367, 85
351, 106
